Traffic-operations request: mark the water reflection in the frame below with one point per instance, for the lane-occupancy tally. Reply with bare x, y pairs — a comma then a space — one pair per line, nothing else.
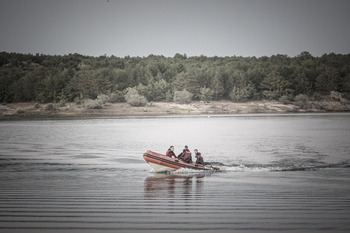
185, 186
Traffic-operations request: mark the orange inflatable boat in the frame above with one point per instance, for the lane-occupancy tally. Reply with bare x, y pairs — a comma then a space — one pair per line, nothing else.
163, 163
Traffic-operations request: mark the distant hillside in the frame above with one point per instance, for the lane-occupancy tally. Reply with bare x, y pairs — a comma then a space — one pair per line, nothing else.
74, 77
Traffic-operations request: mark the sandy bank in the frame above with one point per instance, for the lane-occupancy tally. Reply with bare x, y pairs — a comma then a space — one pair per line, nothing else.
30, 109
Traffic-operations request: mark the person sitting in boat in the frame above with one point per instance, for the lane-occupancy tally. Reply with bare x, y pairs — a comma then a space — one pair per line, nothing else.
199, 157
170, 152
181, 155
187, 155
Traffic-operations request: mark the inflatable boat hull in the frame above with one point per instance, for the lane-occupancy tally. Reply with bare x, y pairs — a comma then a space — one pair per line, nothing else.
163, 163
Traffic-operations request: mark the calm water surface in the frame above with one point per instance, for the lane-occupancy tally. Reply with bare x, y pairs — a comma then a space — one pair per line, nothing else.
282, 173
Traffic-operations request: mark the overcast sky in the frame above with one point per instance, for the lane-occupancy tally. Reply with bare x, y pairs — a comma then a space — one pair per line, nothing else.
163, 27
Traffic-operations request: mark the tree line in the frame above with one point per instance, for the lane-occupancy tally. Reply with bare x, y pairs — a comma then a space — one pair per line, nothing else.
53, 78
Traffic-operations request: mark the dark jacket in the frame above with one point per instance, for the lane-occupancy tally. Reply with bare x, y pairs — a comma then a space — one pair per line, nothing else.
181, 155
200, 159
187, 156
170, 153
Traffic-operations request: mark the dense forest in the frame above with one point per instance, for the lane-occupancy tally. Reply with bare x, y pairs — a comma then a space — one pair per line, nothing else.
47, 78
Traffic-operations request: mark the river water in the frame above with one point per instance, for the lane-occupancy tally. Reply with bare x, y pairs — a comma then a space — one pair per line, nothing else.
281, 173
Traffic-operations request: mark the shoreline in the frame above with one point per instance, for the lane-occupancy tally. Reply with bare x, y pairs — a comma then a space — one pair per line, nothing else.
25, 110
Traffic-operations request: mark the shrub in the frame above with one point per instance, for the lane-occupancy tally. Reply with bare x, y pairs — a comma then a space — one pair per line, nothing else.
50, 107
133, 98
302, 101
116, 97
183, 97
77, 100
169, 96
206, 94
62, 103
92, 104
103, 98
269, 95
239, 94
20, 111
284, 99
36, 105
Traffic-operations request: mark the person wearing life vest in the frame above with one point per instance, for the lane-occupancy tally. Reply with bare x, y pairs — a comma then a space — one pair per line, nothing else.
199, 157
181, 155
170, 152
187, 155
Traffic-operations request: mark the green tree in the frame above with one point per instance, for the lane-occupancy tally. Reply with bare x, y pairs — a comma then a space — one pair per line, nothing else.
238, 94
8, 76
88, 84
272, 86
206, 94
26, 87
217, 85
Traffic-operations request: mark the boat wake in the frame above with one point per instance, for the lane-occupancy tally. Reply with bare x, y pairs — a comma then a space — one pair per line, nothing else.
278, 167
258, 168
